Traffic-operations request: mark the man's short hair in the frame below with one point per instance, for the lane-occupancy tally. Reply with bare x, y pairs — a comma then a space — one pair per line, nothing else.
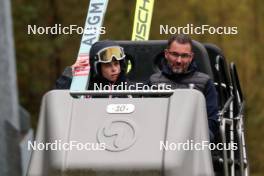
180, 38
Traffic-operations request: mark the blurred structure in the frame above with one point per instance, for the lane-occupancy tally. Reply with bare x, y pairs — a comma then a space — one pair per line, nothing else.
14, 120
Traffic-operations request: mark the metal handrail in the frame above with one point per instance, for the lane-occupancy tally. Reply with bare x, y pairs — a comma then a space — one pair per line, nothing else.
122, 92
226, 106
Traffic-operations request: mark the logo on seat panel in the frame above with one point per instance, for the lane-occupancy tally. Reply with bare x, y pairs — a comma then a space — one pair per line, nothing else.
118, 134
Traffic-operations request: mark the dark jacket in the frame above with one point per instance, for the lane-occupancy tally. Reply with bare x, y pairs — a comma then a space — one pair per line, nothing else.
192, 79
64, 81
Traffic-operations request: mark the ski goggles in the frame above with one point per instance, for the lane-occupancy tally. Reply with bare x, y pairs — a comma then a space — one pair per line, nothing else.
106, 54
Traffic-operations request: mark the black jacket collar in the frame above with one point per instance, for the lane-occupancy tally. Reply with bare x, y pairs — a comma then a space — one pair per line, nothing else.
166, 70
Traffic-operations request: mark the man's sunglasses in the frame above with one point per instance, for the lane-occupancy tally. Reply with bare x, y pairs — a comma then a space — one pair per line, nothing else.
182, 55
106, 54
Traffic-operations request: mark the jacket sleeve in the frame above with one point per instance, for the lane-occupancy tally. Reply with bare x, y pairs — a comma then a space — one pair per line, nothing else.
212, 109
64, 81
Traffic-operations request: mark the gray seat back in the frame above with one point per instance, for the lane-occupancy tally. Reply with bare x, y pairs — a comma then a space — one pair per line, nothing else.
139, 141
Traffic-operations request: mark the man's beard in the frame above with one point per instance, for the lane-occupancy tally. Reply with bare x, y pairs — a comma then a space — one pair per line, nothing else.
179, 70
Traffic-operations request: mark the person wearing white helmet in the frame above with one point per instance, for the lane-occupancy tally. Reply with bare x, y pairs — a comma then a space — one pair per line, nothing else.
107, 64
